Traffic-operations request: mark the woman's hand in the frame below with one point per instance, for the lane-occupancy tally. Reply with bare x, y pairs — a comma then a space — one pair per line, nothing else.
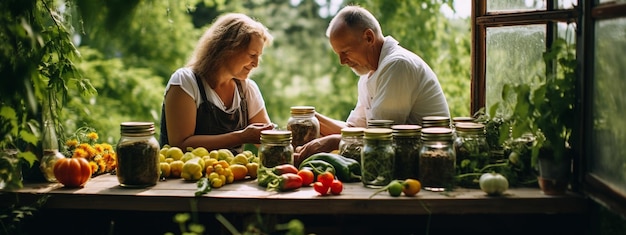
252, 133
324, 144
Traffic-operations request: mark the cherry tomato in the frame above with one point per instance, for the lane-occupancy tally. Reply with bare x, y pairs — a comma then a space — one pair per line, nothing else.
320, 188
307, 177
336, 187
326, 178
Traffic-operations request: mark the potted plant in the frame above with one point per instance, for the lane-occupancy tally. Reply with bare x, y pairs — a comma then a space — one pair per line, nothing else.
546, 112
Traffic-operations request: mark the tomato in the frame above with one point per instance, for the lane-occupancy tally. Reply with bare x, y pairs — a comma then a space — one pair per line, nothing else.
320, 188
72, 172
336, 187
411, 187
493, 183
326, 178
307, 177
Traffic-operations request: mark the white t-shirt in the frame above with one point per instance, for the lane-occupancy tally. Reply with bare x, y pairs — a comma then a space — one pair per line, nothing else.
403, 89
185, 78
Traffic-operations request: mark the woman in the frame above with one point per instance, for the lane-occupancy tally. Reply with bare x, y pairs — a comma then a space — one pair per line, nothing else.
210, 102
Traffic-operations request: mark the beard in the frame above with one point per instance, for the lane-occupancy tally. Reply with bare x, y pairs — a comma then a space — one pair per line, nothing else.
359, 70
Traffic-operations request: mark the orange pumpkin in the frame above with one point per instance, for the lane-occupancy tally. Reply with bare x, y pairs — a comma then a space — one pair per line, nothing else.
72, 172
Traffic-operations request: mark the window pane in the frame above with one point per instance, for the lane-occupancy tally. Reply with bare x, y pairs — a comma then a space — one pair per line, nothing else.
566, 4
514, 55
515, 5
608, 159
612, 1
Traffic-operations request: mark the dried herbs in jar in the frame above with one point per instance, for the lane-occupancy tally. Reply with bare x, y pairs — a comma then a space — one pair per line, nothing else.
437, 159
137, 155
275, 148
377, 158
303, 125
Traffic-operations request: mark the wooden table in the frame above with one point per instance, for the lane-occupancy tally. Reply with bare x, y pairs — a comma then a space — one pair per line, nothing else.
246, 197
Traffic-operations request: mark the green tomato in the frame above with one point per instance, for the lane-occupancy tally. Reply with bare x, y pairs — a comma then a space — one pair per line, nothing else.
395, 188
493, 183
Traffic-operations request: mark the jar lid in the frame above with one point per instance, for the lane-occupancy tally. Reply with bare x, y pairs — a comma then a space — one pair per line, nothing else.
435, 121
275, 135
377, 133
137, 128
406, 130
352, 131
462, 119
302, 109
379, 123
436, 133
469, 127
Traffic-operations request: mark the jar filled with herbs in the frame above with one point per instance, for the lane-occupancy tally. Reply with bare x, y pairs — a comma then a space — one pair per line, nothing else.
472, 151
380, 123
377, 158
437, 159
351, 142
276, 148
303, 125
435, 121
406, 144
137, 155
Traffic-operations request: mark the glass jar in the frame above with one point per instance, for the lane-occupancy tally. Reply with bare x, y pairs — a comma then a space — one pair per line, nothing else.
276, 148
437, 159
435, 121
406, 144
379, 123
49, 144
137, 155
471, 149
377, 158
351, 143
303, 125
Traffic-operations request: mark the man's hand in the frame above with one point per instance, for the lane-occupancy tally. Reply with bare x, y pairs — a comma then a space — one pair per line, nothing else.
324, 144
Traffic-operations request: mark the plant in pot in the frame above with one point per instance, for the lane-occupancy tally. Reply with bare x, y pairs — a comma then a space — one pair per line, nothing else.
545, 110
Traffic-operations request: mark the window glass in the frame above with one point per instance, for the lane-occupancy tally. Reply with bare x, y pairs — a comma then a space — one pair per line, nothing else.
612, 1
566, 4
608, 159
514, 55
515, 5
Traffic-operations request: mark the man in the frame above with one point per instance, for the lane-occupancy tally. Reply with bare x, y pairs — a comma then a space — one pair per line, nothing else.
394, 83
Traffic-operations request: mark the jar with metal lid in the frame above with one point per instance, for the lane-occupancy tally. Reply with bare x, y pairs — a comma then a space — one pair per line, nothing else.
137, 155
435, 121
351, 143
472, 150
437, 159
380, 123
303, 125
275, 148
377, 158
406, 144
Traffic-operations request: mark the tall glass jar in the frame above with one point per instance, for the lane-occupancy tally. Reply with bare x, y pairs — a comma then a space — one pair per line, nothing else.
406, 144
351, 142
303, 125
377, 158
472, 150
49, 144
435, 121
137, 155
437, 159
380, 123
276, 148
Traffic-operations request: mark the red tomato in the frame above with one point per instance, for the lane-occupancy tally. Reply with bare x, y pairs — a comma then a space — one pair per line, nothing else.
336, 187
320, 188
326, 178
72, 172
307, 177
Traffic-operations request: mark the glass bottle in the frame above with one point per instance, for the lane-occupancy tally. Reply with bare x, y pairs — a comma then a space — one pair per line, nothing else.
380, 123
437, 159
276, 148
49, 144
137, 155
435, 121
303, 125
406, 144
351, 142
377, 158
472, 150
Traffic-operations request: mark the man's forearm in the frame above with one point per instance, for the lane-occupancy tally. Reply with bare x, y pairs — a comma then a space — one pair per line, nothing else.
329, 126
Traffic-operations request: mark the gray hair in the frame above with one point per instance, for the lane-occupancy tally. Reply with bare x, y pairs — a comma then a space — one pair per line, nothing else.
357, 18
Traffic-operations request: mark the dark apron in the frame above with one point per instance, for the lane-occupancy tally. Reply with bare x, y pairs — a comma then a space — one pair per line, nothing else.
210, 119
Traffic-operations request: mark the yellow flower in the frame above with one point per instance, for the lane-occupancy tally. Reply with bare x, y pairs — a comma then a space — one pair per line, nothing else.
94, 167
92, 136
79, 152
71, 143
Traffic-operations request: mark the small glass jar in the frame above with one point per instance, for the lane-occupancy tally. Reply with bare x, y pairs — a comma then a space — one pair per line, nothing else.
51, 152
377, 158
137, 155
472, 150
351, 143
435, 121
381, 123
303, 125
276, 148
406, 144
437, 159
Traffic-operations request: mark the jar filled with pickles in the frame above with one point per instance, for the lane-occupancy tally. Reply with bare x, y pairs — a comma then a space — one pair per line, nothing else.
137, 155
351, 142
437, 159
406, 144
303, 125
275, 148
377, 158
